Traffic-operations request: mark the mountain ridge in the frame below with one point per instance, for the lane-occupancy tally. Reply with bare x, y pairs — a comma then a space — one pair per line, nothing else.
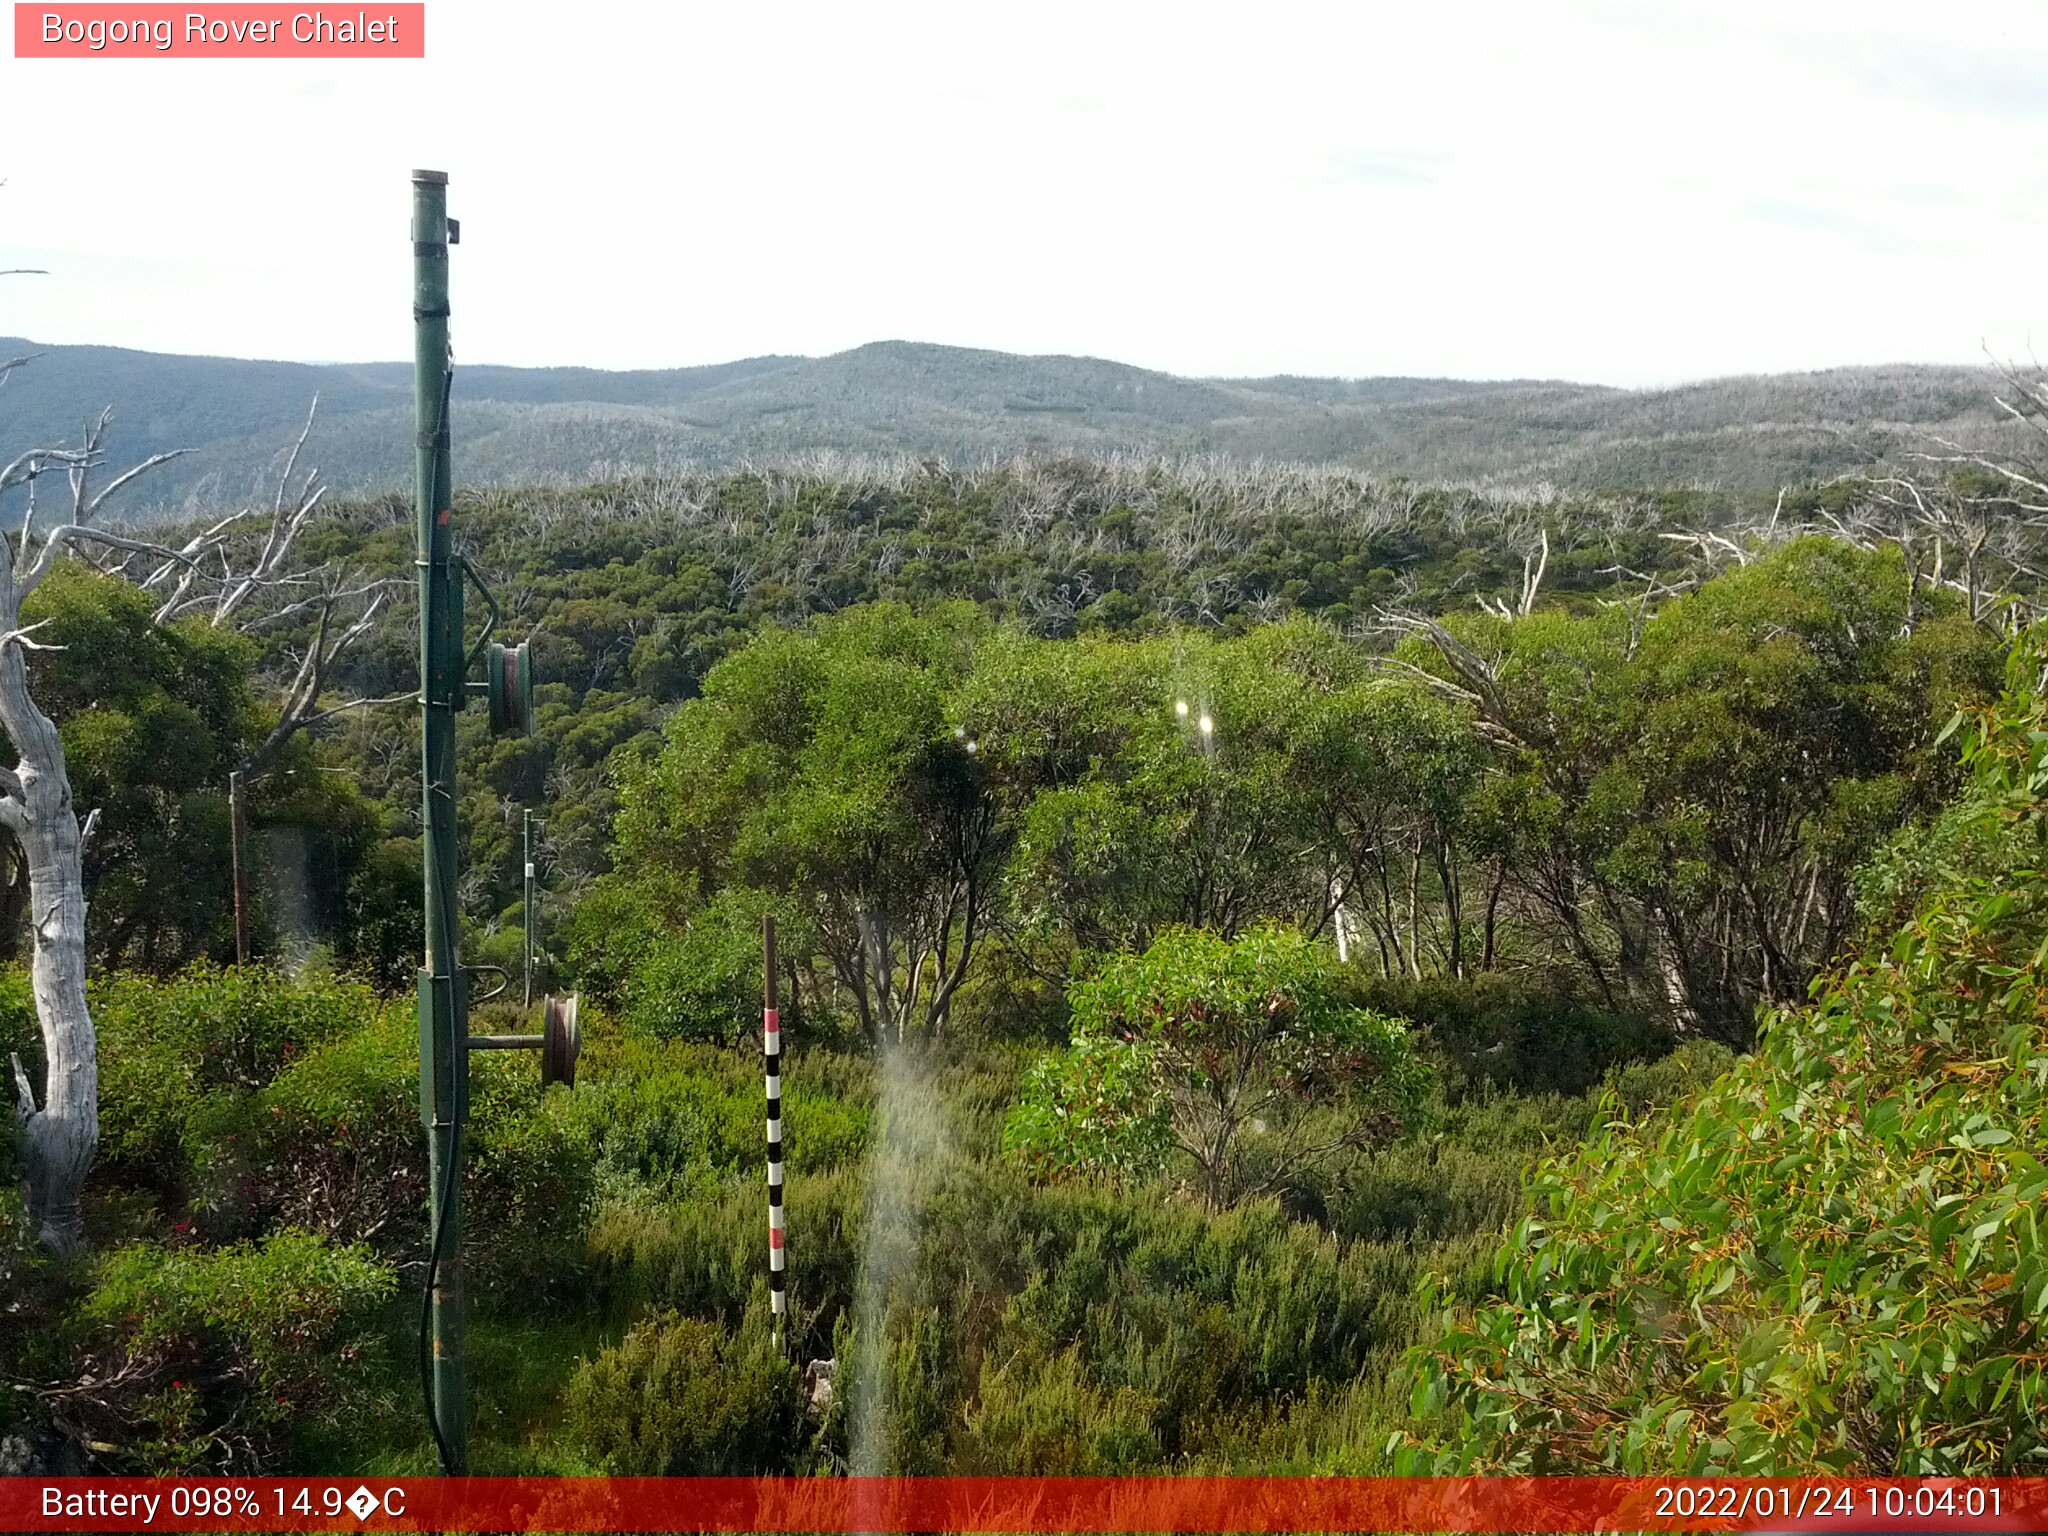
236, 418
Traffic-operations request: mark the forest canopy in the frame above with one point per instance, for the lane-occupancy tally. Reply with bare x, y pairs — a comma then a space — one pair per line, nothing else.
1662, 811
1237, 931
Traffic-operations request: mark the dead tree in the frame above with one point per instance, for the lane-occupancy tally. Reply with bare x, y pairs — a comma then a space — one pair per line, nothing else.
1968, 521
204, 575
60, 1133
1534, 564
231, 579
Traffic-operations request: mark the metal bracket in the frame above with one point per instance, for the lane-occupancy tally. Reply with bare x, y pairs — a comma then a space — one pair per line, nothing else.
504, 980
490, 620
559, 1043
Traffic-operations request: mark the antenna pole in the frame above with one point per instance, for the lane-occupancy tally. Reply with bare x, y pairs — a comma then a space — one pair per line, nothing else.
241, 873
444, 1064
526, 959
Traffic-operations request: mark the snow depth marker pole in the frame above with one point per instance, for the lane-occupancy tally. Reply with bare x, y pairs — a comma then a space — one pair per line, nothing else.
771, 1053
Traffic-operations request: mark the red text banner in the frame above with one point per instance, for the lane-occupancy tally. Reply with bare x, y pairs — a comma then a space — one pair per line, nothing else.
227, 31
1205, 1504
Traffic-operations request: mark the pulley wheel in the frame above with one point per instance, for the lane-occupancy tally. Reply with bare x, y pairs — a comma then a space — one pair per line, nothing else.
561, 1041
508, 678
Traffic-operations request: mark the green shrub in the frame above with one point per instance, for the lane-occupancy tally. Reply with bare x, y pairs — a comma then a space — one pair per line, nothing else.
1643, 1087
1036, 1417
1013, 994
334, 1144
1469, 1173
208, 1358
1098, 1107
1491, 1030
1211, 1322
22, 1037
382, 915
1241, 1055
703, 983
1201, 1316
706, 1255
680, 1397
676, 1115
19, 1032
531, 1184
1831, 1258
169, 1049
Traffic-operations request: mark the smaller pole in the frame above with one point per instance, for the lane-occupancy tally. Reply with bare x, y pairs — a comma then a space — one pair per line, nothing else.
240, 878
526, 966
771, 1051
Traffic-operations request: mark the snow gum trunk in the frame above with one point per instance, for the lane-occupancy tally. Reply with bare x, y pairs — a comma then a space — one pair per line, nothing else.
59, 1134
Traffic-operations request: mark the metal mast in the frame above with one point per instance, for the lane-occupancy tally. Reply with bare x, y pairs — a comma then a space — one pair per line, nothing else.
444, 1074
445, 1040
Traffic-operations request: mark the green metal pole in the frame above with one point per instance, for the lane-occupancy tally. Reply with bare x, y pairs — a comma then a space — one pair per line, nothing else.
444, 1065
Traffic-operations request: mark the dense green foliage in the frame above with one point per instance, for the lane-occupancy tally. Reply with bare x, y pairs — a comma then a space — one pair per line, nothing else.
1241, 1055
153, 718
1684, 796
636, 592
680, 1397
260, 1154
1183, 957
263, 1144
1833, 1258
216, 1354
1662, 810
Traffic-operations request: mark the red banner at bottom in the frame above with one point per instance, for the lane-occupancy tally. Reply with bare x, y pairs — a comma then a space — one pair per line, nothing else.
935, 1504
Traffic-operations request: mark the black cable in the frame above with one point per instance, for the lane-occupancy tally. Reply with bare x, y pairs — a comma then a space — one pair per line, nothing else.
450, 1186
452, 1182
427, 1299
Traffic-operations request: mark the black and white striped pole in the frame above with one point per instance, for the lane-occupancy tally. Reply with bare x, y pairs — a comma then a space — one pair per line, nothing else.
771, 1052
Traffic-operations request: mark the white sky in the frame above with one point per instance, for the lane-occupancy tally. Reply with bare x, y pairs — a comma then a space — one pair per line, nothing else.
1626, 192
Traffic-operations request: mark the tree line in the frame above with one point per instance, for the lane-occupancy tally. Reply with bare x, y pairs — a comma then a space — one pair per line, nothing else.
226, 645
1660, 807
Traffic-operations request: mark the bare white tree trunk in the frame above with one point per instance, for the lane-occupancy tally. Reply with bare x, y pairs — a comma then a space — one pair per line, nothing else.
59, 1135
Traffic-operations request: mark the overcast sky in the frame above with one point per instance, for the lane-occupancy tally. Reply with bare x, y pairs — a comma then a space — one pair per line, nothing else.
1626, 193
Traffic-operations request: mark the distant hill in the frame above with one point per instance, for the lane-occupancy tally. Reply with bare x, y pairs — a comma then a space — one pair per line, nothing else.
574, 425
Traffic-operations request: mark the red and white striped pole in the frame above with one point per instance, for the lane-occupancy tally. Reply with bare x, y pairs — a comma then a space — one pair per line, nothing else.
771, 1051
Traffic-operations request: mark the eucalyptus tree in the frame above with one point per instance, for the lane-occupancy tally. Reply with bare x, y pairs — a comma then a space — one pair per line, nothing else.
1390, 772
1240, 1056
820, 769
153, 716
1680, 798
1164, 780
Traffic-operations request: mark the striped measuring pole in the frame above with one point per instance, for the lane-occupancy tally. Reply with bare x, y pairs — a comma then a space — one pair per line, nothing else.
771, 1052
